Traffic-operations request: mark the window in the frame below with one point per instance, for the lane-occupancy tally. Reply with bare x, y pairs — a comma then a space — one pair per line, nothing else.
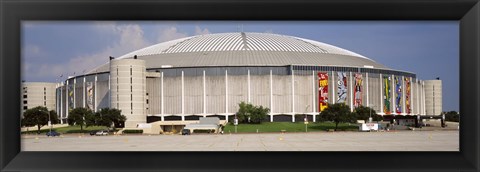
25, 107
24, 102
25, 96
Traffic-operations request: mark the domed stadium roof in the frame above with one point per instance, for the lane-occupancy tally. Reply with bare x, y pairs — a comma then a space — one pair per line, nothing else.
245, 49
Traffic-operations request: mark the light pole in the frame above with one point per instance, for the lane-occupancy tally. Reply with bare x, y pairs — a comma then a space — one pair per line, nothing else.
49, 122
306, 119
370, 114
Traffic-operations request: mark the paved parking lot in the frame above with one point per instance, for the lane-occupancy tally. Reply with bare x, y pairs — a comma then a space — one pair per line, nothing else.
315, 141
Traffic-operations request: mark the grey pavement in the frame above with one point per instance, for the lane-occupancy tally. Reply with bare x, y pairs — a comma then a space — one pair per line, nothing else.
314, 141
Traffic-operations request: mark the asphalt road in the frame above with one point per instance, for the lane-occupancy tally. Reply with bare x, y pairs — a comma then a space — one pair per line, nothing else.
315, 141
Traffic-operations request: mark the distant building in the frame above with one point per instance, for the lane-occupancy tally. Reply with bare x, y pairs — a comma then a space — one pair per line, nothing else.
38, 94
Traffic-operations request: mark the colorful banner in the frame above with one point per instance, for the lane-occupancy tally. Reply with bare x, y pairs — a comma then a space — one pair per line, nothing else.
90, 95
70, 96
357, 95
342, 87
408, 108
386, 95
322, 90
398, 95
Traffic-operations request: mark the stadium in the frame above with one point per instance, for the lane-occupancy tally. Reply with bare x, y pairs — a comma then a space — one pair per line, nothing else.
209, 75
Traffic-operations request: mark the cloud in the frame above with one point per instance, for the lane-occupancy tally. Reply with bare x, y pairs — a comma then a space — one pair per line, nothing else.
32, 51
199, 31
269, 31
125, 38
170, 33
128, 38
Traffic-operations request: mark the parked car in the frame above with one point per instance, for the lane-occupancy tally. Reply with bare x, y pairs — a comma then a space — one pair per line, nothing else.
52, 133
93, 132
102, 133
185, 132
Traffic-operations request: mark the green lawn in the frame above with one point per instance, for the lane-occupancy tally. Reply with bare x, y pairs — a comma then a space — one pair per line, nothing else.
288, 127
68, 129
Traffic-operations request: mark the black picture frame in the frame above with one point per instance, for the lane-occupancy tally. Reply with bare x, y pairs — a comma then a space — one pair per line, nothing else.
467, 12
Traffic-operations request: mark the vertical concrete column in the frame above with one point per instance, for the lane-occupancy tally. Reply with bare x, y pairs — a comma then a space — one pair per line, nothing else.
74, 95
204, 95
183, 97
66, 99
248, 87
109, 88
333, 87
162, 112
226, 93
83, 93
416, 95
381, 95
411, 96
293, 96
424, 102
314, 91
271, 96
368, 98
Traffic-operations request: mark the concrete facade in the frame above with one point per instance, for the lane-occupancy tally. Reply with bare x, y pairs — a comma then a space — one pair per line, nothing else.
208, 76
433, 97
38, 94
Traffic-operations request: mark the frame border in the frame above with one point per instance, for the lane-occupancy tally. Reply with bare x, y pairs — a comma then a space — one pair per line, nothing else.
467, 12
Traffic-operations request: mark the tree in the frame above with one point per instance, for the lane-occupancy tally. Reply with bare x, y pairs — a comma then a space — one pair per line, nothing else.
363, 113
54, 117
108, 117
248, 113
77, 116
37, 116
452, 116
337, 113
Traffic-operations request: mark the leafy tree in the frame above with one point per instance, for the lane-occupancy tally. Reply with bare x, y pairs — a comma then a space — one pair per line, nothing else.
77, 116
248, 113
363, 113
106, 117
37, 116
338, 113
54, 117
452, 116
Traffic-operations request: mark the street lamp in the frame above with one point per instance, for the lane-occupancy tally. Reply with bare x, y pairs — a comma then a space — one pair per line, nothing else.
370, 114
306, 119
49, 122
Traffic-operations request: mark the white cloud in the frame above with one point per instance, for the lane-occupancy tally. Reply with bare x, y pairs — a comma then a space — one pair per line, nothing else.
269, 31
32, 51
199, 31
170, 33
126, 38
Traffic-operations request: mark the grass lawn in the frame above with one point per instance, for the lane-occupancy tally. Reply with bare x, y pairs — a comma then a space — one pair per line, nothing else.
288, 127
68, 129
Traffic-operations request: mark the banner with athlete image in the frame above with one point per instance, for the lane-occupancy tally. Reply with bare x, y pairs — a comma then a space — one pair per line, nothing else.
342, 87
357, 95
386, 95
322, 90
408, 107
398, 95
70, 96
90, 95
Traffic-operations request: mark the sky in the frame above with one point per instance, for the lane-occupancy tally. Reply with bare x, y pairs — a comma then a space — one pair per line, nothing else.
430, 49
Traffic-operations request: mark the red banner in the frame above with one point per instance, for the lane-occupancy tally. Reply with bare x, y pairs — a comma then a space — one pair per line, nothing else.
322, 90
